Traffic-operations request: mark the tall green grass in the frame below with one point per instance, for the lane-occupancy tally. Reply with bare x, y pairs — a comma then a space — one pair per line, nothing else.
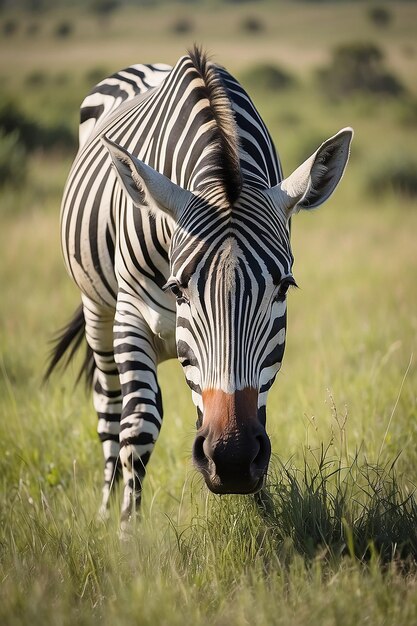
300, 553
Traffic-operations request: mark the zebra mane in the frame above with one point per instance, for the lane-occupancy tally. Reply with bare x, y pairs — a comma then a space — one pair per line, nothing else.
226, 162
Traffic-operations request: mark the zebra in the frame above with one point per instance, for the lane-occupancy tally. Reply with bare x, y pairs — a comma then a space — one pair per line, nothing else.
175, 226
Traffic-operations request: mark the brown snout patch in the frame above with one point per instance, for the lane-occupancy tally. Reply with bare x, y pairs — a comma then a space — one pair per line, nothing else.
225, 412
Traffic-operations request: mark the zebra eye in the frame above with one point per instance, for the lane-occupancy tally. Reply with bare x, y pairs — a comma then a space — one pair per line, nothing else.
284, 285
176, 290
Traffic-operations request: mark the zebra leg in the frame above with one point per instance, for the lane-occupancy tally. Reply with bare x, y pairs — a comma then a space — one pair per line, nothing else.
107, 397
136, 358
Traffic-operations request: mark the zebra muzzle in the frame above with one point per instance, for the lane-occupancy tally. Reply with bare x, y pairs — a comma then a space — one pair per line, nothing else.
232, 449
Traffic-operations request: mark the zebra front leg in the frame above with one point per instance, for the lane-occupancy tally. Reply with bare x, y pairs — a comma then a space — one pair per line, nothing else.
136, 358
107, 395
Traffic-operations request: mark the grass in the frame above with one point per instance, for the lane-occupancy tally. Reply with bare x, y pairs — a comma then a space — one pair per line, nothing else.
333, 539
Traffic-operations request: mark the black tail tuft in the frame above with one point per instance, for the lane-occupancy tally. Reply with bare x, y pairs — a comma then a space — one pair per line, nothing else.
70, 338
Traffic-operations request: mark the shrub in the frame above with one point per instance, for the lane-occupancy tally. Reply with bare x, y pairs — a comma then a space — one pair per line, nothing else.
64, 29
397, 173
60, 136
12, 120
10, 27
13, 160
358, 68
35, 5
182, 26
33, 135
380, 16
268, 77
252, 25
105, 7
36, 78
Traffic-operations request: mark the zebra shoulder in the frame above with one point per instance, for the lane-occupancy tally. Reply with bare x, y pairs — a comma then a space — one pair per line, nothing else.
115, 90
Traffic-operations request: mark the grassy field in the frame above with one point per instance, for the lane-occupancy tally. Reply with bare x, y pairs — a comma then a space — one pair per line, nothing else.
334, 540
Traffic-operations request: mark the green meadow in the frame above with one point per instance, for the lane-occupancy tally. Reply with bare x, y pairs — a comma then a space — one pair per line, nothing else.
333, 540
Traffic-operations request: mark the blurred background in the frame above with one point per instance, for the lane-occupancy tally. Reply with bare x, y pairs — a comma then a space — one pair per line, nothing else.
311, 67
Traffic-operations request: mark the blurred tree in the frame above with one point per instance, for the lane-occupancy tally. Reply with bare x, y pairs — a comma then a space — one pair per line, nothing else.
252, 25
104, 8
182, 26
10, 27
37, 78
64, 29
380, 16
13, 160
35, 5
32, 135
268, 77
358, 67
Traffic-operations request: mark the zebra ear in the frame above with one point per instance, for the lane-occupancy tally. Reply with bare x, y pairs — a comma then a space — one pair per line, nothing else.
144, 185
315, 180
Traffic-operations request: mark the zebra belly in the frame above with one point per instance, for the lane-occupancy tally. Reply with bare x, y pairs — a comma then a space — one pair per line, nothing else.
88, 237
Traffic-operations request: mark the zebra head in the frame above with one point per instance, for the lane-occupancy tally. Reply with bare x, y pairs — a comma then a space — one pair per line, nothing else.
230, 270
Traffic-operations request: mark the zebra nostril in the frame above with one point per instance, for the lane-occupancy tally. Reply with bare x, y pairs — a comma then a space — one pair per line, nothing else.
261, 459
199, 455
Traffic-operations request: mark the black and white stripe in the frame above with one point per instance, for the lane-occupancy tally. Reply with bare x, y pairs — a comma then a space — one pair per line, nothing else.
217, 267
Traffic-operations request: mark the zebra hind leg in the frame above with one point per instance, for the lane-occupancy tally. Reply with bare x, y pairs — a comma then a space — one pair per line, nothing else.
107, 396
136, 358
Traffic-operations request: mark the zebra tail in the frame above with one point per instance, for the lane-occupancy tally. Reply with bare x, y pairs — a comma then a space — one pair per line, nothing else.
66, 344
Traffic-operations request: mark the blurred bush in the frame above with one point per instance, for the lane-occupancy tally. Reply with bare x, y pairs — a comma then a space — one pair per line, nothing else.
358, 68
10, 27
252, 25
13, 121
396, 173
40, 79
31, 134
267, 77
104, 8
380, 16
37, 78
64, 29
13, 160
182, 26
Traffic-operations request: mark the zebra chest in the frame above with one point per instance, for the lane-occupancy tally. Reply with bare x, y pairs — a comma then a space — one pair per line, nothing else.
163, 327
141, 266
145, 300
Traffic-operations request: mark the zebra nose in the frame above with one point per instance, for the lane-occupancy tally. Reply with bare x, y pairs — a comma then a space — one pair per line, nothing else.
233, 462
